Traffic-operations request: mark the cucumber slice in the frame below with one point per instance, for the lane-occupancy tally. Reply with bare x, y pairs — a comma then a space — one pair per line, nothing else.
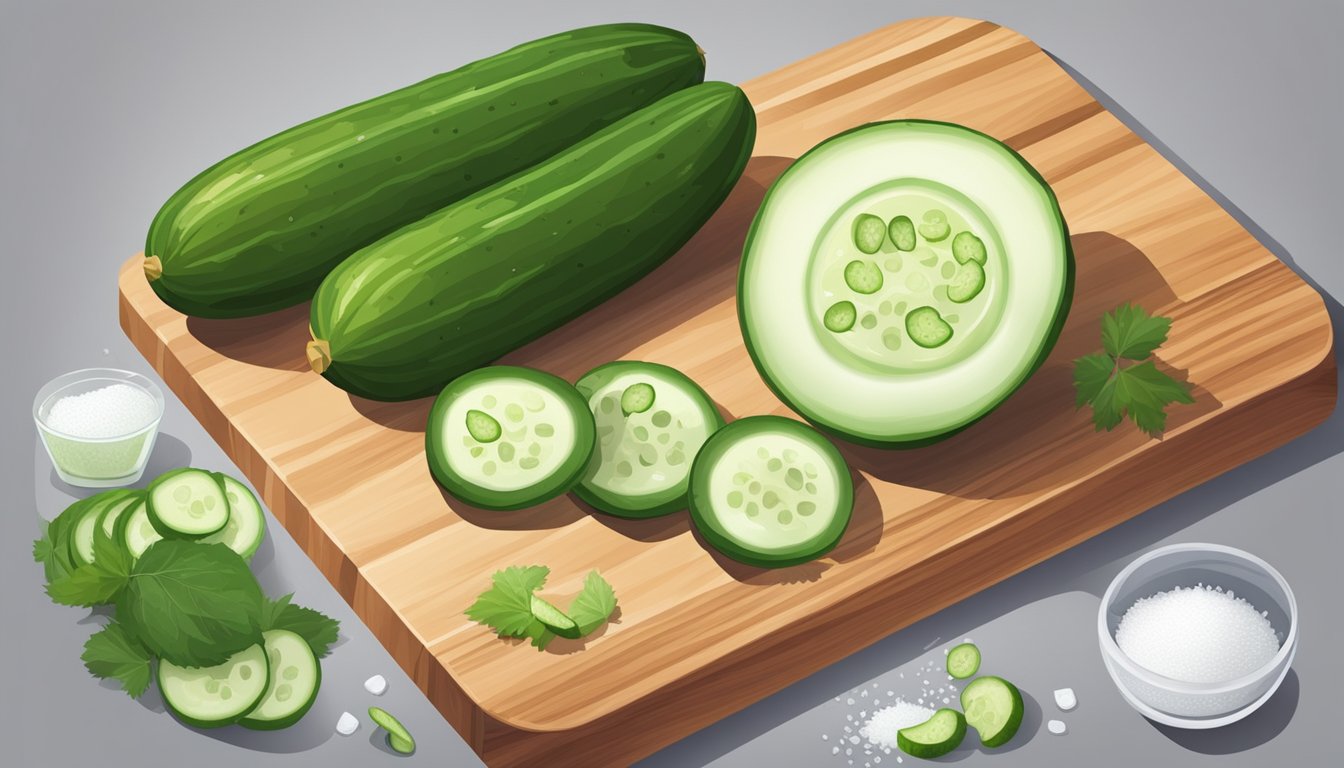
247, 523
963, 661
81, 535
642, 464
934, 737
397, 736
555, 619
210, 697
771, 492
113, 521
993, 708
545, 437
187, 503
295, 677
138, 532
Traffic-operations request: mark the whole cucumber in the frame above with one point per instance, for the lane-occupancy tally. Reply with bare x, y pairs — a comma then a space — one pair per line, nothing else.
463, 286
259, 230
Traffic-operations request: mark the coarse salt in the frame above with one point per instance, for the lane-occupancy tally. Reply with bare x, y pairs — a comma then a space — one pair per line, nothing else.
1196, 634
347, 724
111, 411
1065, 700
881, 729
376, 685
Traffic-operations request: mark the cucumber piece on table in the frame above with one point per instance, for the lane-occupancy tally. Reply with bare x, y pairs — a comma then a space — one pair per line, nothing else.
539, 445
555, 619
397, 736
993, 708
86, 524
934, 737
113, 521
963, 661
295, 677
138, 532
187, 503
651, 422
247, 522
210, 697
771, 492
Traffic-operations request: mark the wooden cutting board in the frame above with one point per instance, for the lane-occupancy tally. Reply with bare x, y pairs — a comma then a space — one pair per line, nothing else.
699, 637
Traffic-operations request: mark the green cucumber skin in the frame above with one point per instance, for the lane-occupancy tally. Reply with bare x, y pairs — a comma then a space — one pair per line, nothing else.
464, 286
256, 724
929, 751
195, 723
1009, 729
164, 529
258, 231
97, 506
562, 481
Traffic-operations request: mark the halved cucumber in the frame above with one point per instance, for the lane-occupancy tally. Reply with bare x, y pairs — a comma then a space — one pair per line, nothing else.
934, 737
138, 532
651, 421
963, 661
397, 736
210, 697
993, 708
506, 437
187, 503
295, 677
555, 619
81, 536
771, 492
247, 523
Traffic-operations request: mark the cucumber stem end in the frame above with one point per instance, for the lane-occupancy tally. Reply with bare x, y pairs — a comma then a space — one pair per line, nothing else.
153, 268
319, 355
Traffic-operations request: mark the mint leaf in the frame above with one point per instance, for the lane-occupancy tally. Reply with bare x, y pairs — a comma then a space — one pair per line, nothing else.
593, 606
1146, 392
1131, 333
318, 630
507, 606
112, 652
192, 604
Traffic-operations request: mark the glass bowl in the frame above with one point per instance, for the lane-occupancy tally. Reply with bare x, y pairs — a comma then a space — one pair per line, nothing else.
1198, 705
103, 461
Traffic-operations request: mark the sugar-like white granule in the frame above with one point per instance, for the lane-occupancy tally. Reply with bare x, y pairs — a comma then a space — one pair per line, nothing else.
1197, 634
110, 411
881, 729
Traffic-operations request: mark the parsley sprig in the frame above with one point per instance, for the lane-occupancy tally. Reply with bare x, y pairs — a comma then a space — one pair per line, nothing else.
1121, 380
506, 607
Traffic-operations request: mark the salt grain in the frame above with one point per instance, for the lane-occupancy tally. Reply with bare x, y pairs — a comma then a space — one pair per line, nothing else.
881, 729
1197, 634
1056, 727
111, 411
1065, 700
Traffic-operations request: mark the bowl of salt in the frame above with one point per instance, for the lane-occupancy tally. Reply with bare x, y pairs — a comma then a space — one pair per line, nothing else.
1197, 635
98, 425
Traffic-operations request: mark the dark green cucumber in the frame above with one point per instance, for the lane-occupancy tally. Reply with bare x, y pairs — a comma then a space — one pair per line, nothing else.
463, 286
259, 230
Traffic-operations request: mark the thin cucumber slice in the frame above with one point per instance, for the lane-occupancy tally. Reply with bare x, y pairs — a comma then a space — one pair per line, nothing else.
210, 697
869, 232
139, 533
555, 619
993, 708
963, 661
901, 230
642, 464
187, 503
397, 736
934, 737
81, 536
840, 317
113, 521
247, 522
771, 492
295, 677
544, 442
863, 277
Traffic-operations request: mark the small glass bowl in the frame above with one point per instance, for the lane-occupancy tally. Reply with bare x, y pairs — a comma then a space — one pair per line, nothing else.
1198, 705
97, 462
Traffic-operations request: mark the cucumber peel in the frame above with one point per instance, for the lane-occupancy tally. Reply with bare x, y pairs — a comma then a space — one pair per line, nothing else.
993, 708
398, 738
934, 737
555, 619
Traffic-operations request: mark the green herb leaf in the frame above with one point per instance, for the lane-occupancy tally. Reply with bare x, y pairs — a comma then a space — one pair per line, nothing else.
1131, 333
594, 605
539, 635
1090, 374
41, 550
192, 604
320, 631
507, 606
112, 652
1146, 392
96, 583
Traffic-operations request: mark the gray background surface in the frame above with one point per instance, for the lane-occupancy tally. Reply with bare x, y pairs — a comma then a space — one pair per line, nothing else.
106, 108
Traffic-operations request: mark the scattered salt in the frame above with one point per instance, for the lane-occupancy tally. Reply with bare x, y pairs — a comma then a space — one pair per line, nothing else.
1196, 634
835, 750
376, 685
111, 411
347, 724
1065, 700
881, 729
1056, 727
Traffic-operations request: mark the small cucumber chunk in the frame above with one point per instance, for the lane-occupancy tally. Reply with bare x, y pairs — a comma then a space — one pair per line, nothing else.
139, 533
210, 697
770, 492
967, 247
934, 737
993, 708
901, 230
935, 227
637, 398
869, 232
247, 522
863, 277
927, 328
840, 317
397, 736
963, 661
967, 283
294, 680
482, 426
555, 619
187, 504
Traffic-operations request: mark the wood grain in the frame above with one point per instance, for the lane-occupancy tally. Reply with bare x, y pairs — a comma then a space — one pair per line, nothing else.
698, 636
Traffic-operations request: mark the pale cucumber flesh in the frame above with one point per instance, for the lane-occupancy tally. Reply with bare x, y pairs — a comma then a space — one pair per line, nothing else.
213, 696
189, 503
